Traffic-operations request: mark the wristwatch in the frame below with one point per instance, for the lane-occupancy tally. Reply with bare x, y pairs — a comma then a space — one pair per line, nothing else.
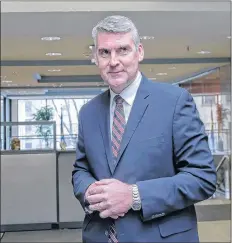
136, 203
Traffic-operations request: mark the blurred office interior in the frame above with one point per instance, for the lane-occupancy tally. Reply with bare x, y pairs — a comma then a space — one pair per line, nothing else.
48, 73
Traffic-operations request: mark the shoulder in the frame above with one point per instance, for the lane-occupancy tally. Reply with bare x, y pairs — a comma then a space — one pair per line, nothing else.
166, 90
92, 104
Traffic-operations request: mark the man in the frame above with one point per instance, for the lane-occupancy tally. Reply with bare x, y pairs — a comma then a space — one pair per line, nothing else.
142, 158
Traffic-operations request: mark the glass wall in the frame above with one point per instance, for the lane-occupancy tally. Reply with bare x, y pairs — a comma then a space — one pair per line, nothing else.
213, 105
212, 94
2, 119
63, 111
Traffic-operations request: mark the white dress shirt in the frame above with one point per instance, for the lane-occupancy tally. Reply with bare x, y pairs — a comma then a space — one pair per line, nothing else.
128, 95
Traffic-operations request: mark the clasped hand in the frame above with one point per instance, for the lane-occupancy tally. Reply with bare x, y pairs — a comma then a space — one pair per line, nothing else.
111, 197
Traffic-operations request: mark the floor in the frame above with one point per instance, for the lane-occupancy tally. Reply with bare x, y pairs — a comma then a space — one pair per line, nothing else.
211, 231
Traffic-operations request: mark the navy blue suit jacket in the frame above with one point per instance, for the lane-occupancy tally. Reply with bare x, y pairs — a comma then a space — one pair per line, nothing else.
164, 151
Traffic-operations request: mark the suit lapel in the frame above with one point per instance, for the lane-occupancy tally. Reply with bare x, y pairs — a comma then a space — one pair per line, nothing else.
104, 123
138, 109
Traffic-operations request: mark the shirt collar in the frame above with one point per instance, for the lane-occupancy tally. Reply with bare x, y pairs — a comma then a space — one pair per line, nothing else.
129, 93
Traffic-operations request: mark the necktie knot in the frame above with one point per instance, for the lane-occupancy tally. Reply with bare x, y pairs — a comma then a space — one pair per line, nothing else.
118, 100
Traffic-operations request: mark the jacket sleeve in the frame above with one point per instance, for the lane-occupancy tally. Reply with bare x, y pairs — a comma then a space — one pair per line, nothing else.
81, 174
195, 179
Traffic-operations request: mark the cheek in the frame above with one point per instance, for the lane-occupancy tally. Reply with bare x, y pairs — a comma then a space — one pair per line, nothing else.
131, 61
131, 65
103, 68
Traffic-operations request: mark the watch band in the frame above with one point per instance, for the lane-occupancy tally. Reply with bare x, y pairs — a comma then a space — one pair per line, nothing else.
136, 203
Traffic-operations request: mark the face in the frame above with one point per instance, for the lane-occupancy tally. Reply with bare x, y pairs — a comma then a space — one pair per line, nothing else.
117, 59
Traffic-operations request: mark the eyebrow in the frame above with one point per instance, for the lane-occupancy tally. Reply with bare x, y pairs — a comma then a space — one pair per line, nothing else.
121, 46
100, 49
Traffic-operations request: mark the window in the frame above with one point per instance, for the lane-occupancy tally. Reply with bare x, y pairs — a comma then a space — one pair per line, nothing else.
70, 108
228, 98
28, 106
208, 100
28, 145
28, 129
2, 120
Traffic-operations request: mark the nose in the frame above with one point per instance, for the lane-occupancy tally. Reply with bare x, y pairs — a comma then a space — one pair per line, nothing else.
113, 60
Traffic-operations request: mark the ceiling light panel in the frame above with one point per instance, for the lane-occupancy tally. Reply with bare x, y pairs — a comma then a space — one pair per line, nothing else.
53, 54
161, 74
203, 52
6, 81
54, 70
147, 37
50, 38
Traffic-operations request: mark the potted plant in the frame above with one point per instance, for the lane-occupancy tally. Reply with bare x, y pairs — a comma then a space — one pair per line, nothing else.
45, 113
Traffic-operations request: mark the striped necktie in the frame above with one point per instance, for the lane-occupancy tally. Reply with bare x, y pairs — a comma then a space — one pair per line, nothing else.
118, 128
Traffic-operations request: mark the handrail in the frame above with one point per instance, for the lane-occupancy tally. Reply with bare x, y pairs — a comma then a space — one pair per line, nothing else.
24, 123
224, 158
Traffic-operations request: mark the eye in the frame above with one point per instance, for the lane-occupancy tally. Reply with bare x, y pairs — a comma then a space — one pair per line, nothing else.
104, 52
123, 50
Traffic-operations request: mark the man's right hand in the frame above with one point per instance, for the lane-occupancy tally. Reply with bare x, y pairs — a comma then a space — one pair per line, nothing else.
92, 186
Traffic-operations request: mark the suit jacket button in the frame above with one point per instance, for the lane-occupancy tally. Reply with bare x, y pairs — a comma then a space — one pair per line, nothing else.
106, 233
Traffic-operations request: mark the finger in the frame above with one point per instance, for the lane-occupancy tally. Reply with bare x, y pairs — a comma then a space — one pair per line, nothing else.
114, 217
105, 214
105, 181
122, 215
97, 198
90, 188
98, 206
96, 190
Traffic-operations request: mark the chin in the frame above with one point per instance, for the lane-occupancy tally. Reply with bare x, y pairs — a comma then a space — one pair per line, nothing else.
117, 81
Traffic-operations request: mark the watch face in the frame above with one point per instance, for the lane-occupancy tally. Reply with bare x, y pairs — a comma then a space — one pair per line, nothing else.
136, 206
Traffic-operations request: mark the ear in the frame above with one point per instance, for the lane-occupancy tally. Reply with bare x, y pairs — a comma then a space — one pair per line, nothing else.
140, 52
95, 58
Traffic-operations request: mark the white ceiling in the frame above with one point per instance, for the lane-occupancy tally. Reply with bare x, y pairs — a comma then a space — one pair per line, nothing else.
178, 36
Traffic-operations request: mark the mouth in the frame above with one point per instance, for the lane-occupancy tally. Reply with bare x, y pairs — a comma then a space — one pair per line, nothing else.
115, 72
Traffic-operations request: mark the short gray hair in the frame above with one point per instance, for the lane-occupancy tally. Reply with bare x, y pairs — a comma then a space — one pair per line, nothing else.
116, 24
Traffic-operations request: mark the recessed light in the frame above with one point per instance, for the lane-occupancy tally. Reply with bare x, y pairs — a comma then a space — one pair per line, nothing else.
12, 84
204, 52
228, 37
87, 55
53, 54
152, 78
172, 68
147, 38
6, 81
161, 74
54, 70
50, 38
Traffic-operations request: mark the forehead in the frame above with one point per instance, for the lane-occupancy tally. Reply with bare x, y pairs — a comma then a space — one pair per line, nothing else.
114, 40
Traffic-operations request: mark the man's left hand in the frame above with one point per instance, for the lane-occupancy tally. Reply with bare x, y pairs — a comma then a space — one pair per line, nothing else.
110, 197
